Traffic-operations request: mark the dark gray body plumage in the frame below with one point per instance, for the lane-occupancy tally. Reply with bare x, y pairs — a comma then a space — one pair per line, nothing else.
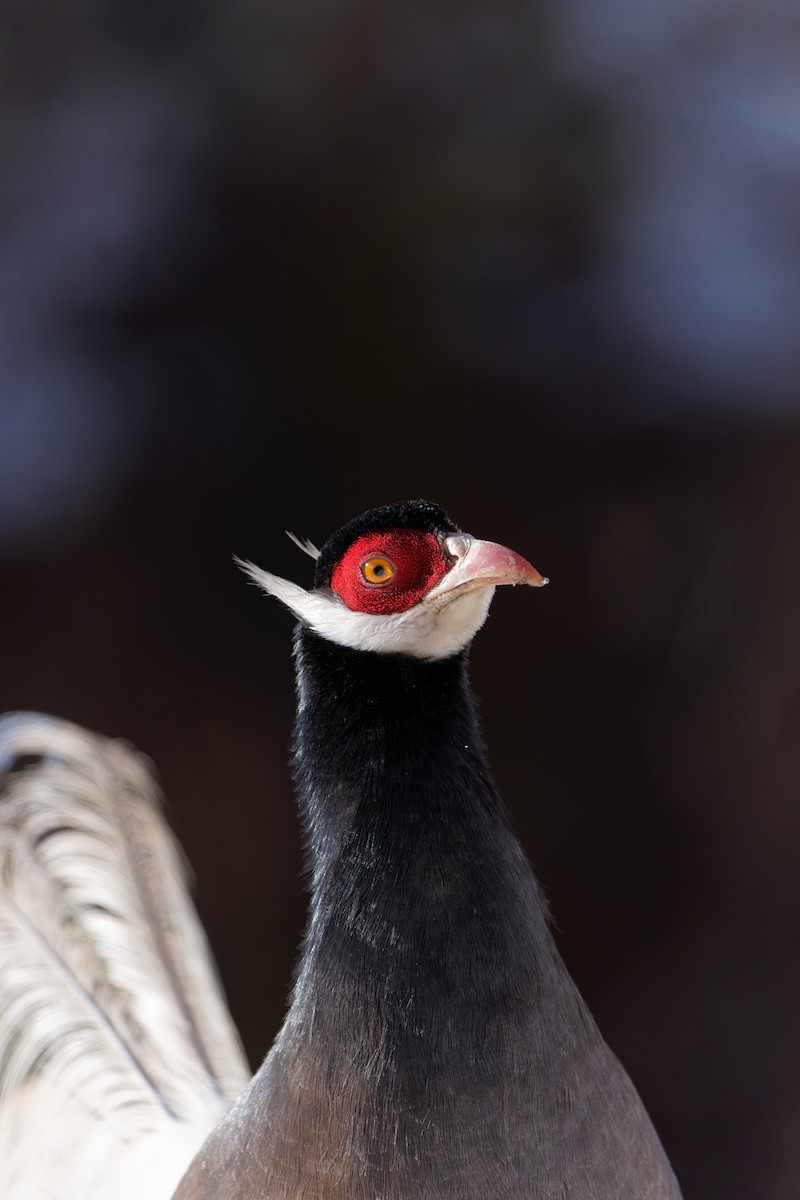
436, 1047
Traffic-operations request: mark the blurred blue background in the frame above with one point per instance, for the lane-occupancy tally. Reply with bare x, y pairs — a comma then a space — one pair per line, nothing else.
265, 266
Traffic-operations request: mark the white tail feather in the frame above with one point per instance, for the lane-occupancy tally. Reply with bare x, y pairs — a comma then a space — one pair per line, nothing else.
110, 1013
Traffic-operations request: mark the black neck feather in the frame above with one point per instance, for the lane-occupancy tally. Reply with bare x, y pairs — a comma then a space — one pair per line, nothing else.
386, 745
419, 885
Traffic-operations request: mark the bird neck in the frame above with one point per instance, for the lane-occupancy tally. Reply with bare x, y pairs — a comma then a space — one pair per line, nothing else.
386, 747
420, 889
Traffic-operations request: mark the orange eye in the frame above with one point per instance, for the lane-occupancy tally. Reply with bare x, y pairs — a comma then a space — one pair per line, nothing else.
378, 570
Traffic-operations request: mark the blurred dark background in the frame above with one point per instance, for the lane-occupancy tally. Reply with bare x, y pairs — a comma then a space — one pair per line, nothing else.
265, 266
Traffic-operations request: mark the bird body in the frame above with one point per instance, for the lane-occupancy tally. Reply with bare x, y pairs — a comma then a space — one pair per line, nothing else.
435, 1046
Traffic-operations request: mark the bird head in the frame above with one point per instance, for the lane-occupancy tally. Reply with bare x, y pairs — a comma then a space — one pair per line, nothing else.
401, 579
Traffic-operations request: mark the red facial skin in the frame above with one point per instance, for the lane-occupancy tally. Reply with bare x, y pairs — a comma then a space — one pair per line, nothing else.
419, 563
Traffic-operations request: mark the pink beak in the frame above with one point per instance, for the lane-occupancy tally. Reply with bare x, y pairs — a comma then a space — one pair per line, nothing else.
484, 564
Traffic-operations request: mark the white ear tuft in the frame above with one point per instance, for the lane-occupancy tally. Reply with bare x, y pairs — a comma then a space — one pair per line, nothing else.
297, 599
304, 544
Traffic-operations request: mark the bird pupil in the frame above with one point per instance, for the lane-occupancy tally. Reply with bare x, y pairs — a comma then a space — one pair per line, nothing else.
377, 569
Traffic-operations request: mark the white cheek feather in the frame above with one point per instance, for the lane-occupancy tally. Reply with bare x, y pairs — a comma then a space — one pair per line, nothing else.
437, 627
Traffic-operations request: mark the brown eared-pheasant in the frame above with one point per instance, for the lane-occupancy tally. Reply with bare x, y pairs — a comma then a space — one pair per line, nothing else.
435, 1047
